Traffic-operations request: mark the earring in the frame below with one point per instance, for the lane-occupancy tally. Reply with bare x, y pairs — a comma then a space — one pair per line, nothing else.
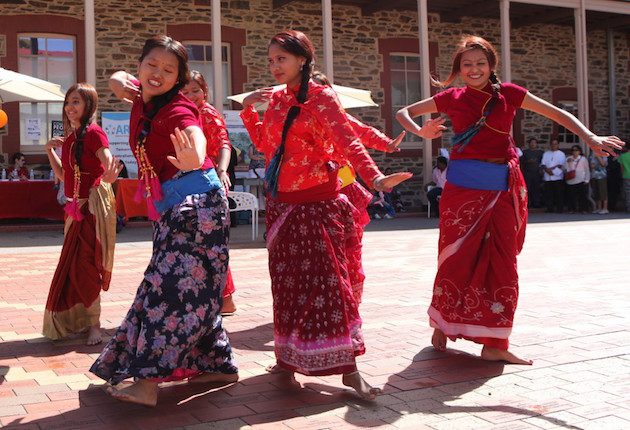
301, 67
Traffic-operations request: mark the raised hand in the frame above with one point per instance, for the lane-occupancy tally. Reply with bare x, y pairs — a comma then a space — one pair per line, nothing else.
261, 95
55, 142
393, 145
112, 170
123, 87
432, 128
605, 145
386, 183
186, 156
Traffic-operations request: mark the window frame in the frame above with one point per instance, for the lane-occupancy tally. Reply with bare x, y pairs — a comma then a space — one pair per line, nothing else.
227, 83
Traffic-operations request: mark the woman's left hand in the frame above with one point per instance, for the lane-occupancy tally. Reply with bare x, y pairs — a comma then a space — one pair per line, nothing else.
605, 145
225, 179
386, 183
186, 156
393, 145
112, 170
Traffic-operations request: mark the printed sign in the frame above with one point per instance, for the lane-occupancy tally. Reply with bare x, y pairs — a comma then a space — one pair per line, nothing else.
33, 129
116, 127
239, 137
56, 129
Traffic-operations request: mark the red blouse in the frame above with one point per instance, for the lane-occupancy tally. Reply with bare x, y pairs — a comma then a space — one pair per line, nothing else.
179, 112
22, 173
213, 126
91, 167
319, 137
465, 106
370, 137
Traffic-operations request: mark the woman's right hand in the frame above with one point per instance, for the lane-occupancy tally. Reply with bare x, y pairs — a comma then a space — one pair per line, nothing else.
55, 142
123, 87
259, 96
386, 183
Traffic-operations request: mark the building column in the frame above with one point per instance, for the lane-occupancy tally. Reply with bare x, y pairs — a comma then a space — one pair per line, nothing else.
90, 43
328, 39
425, 85
581, 63
612, 82
506, 58
217, 57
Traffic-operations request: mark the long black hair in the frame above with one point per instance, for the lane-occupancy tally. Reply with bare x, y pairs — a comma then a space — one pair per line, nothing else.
171, 45
297, 43
88, 93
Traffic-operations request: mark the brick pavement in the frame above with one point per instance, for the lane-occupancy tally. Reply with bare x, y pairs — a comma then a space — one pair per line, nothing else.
573, 320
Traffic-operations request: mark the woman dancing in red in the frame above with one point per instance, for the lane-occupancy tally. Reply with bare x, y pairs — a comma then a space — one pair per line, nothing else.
317, 327
483, 208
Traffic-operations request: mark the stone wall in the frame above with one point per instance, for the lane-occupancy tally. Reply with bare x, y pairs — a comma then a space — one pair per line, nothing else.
543, 56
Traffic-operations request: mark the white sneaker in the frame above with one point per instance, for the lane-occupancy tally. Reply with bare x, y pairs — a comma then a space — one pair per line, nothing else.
603, 212
596, 211
377, 216
388, 216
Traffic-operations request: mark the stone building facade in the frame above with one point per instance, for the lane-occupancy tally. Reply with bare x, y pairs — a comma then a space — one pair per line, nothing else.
543, 55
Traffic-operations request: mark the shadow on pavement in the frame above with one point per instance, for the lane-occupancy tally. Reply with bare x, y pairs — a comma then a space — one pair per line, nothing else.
259, 338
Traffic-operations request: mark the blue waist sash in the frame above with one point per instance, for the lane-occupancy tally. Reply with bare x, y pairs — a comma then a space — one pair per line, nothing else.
478, 175
195, 182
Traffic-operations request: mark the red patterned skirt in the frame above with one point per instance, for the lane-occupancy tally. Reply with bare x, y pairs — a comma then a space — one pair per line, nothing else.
317, 327
360, 198
476, 287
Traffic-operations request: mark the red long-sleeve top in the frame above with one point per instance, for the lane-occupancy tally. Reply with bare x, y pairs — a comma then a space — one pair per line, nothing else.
213, 126
320, 136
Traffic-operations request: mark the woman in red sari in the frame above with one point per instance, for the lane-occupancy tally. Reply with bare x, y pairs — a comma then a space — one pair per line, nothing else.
218, 149
483, 208
317, 327
87, 168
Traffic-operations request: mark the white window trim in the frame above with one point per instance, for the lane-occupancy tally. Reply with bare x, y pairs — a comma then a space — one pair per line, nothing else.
226, 104
405, 144
40, 149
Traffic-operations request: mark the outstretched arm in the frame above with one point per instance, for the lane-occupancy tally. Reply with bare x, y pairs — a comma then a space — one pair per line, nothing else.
124, 86
601, 145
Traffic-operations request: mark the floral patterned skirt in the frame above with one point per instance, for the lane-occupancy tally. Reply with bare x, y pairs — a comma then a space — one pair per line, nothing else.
476, 287
317, 327
173, 329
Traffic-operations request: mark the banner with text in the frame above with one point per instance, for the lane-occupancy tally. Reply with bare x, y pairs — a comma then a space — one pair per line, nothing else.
116, 126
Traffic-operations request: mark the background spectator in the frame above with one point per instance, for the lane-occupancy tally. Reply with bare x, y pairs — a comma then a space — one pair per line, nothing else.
435, 187
530, 166
599, 182
552, 164
577, 182
624, 161
18, 171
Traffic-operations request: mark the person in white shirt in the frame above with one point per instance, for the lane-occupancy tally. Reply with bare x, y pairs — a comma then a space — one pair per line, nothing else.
577, 177
439, 180
552, 164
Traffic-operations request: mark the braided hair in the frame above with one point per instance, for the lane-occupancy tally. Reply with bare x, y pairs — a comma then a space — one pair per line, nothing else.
89, 96
297, 43
174, 47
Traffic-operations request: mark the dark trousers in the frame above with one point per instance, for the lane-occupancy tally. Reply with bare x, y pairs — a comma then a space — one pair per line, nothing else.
554, 196
432, 196
532, 180
577, 197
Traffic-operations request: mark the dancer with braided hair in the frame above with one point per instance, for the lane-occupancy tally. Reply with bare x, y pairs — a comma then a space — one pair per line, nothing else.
310, 227
173, 329
483, 208
85, 267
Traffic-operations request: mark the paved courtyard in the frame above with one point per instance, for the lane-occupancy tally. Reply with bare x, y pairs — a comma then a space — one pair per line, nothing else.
573, 321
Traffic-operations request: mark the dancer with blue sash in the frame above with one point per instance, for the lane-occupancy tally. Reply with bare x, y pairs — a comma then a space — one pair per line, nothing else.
483, 208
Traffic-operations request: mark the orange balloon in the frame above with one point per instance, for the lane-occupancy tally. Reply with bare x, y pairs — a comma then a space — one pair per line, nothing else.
3, 118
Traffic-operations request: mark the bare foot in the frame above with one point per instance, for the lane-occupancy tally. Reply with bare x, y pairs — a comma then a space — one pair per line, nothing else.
287, 377
275, 368
494, 354
363, 389
229, 307
94, 335
439, 340
142, 392
207, 377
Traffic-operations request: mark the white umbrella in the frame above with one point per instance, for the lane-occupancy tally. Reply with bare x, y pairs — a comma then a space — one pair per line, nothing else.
16, 87
348, 97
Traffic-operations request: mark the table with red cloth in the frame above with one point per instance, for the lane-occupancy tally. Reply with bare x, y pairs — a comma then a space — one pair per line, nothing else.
126, 205
29, 199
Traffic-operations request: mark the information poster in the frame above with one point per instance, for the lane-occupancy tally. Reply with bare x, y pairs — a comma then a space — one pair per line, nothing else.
116, 127
33, 129
239, 137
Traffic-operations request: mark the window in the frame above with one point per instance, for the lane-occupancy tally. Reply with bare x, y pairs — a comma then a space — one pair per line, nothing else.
565, 137
200, 59
405, 87
52, 58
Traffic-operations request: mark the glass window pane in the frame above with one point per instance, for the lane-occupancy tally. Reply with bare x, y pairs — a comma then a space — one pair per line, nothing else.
61, 71
208, 50
195, 52
61, 47
33, 129
413, 62
397, 62
413, 87
398, 89
224, 53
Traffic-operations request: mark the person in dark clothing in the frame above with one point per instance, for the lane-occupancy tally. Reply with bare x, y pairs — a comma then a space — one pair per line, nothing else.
530, 166
613, 174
